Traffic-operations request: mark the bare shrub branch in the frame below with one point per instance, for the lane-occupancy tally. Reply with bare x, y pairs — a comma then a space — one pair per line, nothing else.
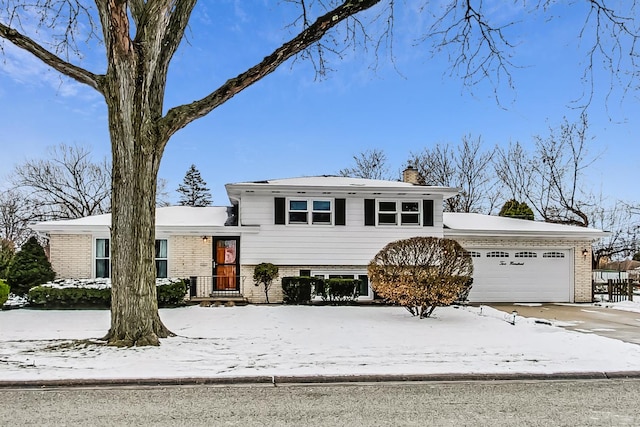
421, 273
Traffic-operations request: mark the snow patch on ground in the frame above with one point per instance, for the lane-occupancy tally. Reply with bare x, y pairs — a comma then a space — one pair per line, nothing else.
302, 340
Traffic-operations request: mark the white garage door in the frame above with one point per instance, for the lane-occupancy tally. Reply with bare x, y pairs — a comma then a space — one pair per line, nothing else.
521, 275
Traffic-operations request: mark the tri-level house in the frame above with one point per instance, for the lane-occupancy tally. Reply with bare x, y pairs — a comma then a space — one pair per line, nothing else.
332, 227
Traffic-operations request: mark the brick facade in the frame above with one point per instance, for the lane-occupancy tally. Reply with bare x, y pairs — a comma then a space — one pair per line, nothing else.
71, 255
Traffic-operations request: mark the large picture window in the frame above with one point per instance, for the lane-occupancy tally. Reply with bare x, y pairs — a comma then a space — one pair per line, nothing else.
103, 258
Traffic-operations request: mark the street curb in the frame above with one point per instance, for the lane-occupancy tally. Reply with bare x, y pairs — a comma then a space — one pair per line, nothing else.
315, 379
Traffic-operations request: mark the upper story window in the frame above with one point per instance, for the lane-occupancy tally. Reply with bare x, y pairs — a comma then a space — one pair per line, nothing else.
402, 213
305, 211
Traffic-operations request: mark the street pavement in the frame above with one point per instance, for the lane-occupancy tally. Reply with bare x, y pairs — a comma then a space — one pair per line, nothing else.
462, 403
585, 318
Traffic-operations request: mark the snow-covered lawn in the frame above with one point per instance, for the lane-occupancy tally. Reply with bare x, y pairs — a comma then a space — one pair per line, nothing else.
299, 340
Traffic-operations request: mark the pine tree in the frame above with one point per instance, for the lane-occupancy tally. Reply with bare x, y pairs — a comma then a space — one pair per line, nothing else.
193, 190
28, 268
514, 209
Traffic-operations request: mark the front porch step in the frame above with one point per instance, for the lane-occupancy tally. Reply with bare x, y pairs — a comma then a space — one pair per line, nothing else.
216, 301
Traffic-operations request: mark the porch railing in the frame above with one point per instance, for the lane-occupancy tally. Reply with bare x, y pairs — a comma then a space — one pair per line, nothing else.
205, 286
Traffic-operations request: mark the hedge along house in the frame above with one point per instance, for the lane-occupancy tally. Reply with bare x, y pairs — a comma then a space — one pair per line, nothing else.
332, 227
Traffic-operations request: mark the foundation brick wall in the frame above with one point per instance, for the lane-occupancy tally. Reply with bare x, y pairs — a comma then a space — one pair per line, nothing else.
581, 263
71, 255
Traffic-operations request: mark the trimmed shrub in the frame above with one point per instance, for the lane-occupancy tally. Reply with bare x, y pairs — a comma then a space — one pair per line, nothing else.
172, 294
341, 290
297, 290
4, 292
96, 294
421, 273
28, 268
49, 297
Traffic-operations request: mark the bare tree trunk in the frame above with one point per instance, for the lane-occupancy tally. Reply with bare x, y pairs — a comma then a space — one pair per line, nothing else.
134, 306
137, 147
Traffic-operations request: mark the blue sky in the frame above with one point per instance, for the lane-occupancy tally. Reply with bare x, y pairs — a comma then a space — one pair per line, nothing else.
290, 125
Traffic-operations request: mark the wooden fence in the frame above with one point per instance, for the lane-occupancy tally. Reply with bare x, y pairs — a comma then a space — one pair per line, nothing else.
616, 290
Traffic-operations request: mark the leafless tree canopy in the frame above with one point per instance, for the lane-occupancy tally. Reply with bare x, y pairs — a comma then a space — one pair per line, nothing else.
550, 178
467, 167
370, 164
421, 273
16, 213
66, 185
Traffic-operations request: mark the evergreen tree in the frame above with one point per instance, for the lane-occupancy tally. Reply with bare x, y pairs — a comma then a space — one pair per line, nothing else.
514, 209
193, 190
28, 268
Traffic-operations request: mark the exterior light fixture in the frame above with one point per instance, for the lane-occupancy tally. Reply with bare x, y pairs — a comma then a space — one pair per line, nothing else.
205, 239
585, 252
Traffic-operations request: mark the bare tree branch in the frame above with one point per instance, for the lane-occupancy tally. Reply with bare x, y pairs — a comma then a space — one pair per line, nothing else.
79, 74
179, 117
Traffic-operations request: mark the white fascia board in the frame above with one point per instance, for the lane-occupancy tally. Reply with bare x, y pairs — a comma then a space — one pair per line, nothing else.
48, 229
206, 230
236, 191
592, 235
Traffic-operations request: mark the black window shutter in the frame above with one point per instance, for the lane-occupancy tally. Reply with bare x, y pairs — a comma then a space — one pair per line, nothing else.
427, 213
341, 212
279, 210
369, 212
305, 273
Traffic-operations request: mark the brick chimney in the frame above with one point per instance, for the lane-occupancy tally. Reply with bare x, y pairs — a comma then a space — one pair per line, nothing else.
411, 175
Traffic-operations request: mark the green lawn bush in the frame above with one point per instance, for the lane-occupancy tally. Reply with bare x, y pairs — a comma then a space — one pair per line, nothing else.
341, 290
4, 292
297, 289
170, 294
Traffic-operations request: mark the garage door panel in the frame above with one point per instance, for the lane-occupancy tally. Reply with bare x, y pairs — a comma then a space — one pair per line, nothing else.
532, 278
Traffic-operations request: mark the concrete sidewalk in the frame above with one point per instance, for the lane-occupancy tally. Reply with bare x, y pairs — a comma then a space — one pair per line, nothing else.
585, 318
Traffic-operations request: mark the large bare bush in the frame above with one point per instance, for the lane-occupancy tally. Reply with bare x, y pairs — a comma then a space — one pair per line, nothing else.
421, 273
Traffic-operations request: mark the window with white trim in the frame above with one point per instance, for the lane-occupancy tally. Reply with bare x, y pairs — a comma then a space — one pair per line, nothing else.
472, 254
161, 258
310, 211
103, 258
402, 213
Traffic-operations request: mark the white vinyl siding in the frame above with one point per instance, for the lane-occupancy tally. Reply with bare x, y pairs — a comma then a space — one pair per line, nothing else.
353, 244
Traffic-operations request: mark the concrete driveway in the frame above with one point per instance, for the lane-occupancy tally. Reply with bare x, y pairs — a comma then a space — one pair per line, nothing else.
585, 318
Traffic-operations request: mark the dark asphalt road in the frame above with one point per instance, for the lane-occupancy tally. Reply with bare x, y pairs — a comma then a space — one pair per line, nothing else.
479, 403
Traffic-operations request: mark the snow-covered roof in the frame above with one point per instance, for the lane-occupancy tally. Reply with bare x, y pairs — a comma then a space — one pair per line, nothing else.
337, 184
186, 218
473, 224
